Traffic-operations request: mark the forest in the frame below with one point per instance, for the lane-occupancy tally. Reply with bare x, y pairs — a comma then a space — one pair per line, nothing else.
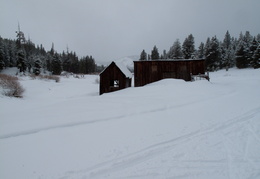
28, 57
241, 52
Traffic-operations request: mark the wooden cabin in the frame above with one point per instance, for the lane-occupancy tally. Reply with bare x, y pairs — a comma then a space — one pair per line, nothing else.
146, 72
115, 77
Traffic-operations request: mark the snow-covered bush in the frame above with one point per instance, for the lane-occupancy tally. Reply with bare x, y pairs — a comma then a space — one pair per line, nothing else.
10, 86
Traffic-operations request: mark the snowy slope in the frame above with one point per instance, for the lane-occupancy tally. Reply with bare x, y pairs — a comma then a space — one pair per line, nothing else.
168, 129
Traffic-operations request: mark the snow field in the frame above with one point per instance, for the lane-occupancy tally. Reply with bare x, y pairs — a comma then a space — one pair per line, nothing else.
168, 129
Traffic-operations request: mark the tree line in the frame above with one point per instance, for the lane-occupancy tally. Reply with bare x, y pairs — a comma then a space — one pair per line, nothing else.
241, 52
28, 57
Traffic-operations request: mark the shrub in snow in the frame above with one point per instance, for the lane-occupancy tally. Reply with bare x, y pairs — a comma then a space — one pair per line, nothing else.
51, 77
10, 86
46, 77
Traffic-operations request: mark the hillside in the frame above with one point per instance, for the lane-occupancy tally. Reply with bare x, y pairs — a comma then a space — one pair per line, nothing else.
168, 129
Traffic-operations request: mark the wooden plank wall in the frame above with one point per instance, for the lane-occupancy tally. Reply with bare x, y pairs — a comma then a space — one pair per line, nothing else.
146, 72
112, 72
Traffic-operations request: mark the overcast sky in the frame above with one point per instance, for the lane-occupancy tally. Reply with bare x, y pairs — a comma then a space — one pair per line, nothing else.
111, 29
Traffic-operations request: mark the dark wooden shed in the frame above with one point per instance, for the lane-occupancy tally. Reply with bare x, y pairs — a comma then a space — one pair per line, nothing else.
115, 77
146, 72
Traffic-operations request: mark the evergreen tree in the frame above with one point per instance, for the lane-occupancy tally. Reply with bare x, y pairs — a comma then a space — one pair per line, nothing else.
200, 52
56, 65
212, 54
256, 58
252, 49
74, 63
82, 66
21, 62
6, 54
21, 55
226, 52
143, 56
227, 57
30, 62
241, 61
188, 47
227, 41
49, 59
2, 64
12, 53
155, 54
2, 55
175, 51
90, 65
258, 38
52, 51
66, 61
37, 66
243, 58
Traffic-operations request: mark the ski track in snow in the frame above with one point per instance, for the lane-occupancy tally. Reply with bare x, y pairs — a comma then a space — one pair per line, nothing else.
74, 124
151, 152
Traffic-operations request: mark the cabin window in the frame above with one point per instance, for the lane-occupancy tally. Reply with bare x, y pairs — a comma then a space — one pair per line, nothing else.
114, 83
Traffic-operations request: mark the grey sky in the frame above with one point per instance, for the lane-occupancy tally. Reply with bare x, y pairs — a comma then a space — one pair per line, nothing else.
110, 29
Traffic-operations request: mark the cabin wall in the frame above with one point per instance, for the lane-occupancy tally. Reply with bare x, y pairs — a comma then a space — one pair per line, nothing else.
150, 71
108, 76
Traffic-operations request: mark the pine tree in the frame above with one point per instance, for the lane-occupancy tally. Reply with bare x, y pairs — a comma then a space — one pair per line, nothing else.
227, 41
56, 65
37, 66
2, 64
212, 54
241, 61
175, 51
21, 62
21, 55
226, 52
252, 49
200, 52
52, 51
188, 47
258, 38
12, 53
74, 63
256, 58
82, 66
90, 65
143, 56
66, 61
2, 55
155, 54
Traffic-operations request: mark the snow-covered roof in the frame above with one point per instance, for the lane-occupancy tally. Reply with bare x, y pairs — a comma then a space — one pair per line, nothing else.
124, 69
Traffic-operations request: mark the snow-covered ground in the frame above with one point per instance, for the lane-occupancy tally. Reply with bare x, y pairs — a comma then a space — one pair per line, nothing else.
168, 129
